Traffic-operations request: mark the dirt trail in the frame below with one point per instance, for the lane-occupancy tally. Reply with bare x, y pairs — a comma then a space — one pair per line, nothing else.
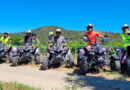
57, 80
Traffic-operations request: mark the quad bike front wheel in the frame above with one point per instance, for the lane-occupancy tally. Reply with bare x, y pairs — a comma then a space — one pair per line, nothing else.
45, 63
128, 66
115, 65
14, 60
71, 61
78, 61
84, 67
37, 59
10, 58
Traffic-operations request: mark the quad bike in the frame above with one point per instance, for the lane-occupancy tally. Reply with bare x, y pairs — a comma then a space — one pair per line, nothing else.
25, 54
58, 55
4, 51
121, 61
93, 58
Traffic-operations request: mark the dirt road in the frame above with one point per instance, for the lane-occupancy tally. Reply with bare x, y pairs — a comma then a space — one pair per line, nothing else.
57, 80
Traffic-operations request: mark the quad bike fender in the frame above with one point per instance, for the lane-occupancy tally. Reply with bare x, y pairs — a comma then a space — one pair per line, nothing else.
68, 52
115, 57
37, 51
81, 55
78, 49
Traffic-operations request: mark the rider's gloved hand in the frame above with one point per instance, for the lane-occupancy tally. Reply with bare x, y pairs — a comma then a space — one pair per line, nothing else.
85, 39
34, 42
64, 45
49, 36
105, 40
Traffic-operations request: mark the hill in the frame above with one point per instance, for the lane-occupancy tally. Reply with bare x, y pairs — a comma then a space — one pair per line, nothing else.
42, 34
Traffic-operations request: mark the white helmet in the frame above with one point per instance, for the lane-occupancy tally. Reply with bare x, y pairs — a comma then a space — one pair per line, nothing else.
29, 31
58, 30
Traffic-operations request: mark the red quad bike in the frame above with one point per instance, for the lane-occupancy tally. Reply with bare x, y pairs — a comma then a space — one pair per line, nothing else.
95, 57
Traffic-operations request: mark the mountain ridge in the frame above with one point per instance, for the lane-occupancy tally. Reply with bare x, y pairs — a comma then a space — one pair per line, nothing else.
42, 33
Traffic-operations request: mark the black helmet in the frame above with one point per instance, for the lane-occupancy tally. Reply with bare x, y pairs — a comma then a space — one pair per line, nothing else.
89, 26
125, 26
6, 33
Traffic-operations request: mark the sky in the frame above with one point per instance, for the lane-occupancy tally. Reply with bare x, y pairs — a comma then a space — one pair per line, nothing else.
105, 15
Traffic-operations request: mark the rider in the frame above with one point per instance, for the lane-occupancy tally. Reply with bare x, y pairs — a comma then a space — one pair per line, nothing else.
5, 39
124, 35
59, 38
35, 41
125, 39
51, 39
91, 37
29, 38
50, 42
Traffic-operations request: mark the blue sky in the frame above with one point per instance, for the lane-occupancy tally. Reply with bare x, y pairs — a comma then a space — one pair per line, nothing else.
105, 15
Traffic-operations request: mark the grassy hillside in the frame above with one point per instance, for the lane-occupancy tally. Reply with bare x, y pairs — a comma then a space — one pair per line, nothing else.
42, 33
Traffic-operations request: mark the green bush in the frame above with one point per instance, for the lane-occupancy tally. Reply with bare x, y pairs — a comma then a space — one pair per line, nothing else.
15, 39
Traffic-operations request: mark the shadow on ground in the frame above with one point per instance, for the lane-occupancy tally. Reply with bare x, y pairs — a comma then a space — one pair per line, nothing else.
21, 63
2, 61
97, 83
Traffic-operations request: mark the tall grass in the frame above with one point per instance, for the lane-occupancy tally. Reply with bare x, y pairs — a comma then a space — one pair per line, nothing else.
15, 86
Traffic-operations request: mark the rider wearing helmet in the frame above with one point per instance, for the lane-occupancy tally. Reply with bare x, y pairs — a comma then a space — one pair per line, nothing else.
5, 39
51, 38
124, 35
125, 39
50, 35
59, 38
50, 42
91, 35
29, 38
35, 41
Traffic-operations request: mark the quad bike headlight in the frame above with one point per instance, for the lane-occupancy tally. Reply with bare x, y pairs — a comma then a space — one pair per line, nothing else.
51, 51
92, 53
105, 53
